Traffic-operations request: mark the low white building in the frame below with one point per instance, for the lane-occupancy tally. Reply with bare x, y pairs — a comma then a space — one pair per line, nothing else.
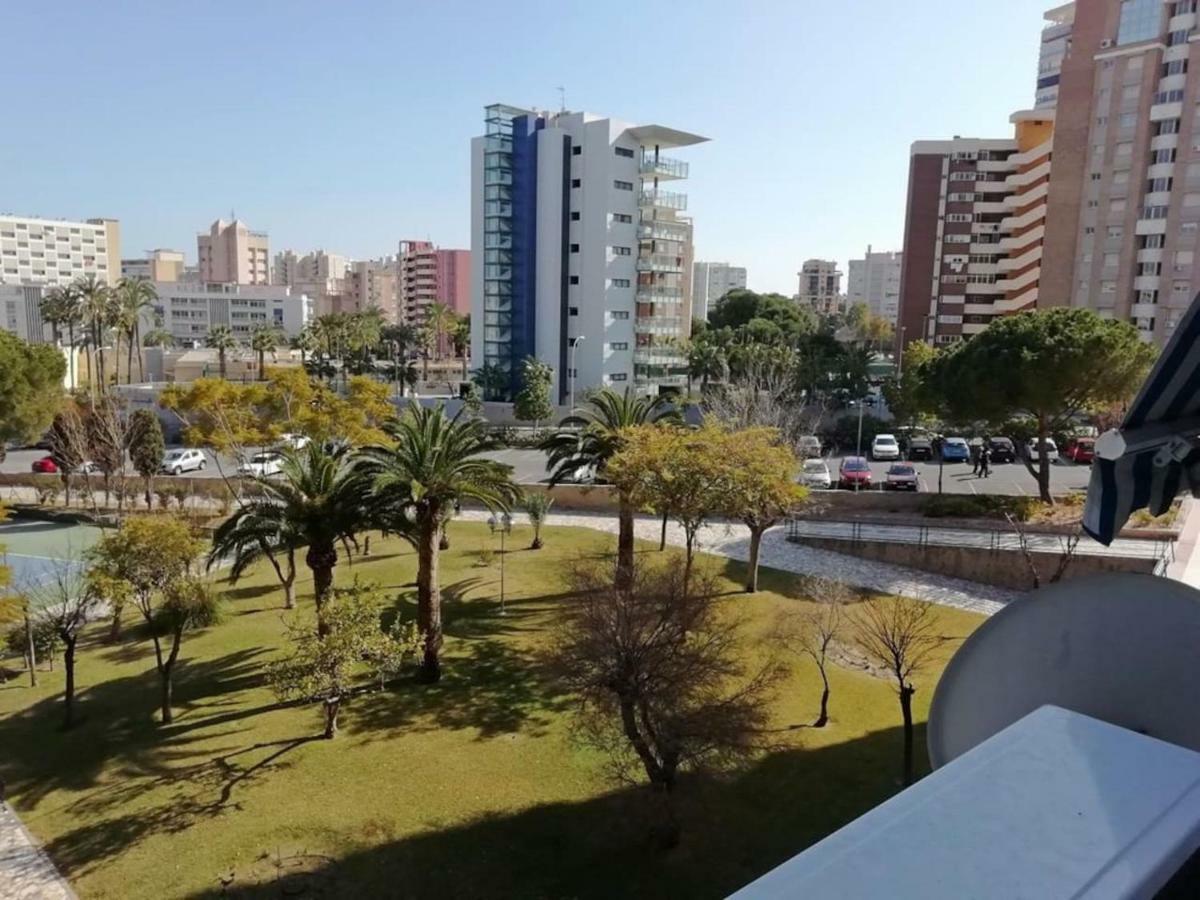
710, 282
55, 252
189, 310
875, 281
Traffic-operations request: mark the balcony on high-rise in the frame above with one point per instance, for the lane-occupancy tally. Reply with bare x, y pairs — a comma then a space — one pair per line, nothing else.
662, 167
654, 198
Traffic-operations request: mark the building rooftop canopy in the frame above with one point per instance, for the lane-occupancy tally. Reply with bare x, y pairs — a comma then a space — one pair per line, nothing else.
662, 136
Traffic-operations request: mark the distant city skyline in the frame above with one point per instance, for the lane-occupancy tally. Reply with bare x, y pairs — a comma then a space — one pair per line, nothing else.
295, 144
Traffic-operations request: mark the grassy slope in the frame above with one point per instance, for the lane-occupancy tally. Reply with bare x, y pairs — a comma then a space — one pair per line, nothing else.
468, 788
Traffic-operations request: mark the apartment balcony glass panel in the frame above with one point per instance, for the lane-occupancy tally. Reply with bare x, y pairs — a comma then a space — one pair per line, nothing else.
662, 167
657, 199
659, 230
660, 263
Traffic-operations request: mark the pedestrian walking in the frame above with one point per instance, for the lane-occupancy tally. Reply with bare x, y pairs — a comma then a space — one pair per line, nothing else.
985, 460
975, 459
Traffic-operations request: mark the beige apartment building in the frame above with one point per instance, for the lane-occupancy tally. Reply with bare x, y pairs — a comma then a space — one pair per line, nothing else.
55, 252
233, 254
157, 265
320, 275
371, 283
820, 286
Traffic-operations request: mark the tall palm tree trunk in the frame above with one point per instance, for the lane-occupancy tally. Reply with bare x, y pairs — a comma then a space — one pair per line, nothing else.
321, 558
137, 335
71, 356
129, 357
429, 596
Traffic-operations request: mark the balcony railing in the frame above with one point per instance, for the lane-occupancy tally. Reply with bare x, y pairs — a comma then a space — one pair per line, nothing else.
663, 167
658, 293
664, 199
659, 262
663, 231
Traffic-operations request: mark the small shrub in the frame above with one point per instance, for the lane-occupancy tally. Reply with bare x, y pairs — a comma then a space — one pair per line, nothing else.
47, 494
485, 557
979, 506
164, 495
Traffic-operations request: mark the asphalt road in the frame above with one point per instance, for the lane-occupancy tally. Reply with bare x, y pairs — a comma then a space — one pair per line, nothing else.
529, 466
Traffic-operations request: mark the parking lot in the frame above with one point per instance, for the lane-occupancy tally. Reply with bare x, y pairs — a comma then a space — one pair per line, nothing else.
529, 466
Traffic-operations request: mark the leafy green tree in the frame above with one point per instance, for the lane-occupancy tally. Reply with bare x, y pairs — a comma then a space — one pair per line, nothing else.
221, 339
907, 394
739, 307
492, 380
1050, 365
707, 362
591, 438
317, 500
431, 464
460, 337
325, 669
472, 398
537, 507
62, 307
146, 447
158, 337
533, 402
31, 390
152, 557
98, 311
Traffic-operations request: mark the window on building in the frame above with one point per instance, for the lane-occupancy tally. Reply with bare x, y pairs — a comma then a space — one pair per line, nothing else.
575, 216
1101, 120
619, 376
572, 310
620, 345
620, 282
1168, 96
1183, 7
1111, 260
620, 314
1181, 287
576, 151
1125, 148
1151, 241
1131, 91
1166, 126
1189, 227
623, 185
622, 251
573, 279
575, 182
1127, 120
1096, 176
1177, 37
1149, 268
622, 217
1155, 185
1108, 287
623, 151
1166, 155
1183, 260
1174, 67
574, 248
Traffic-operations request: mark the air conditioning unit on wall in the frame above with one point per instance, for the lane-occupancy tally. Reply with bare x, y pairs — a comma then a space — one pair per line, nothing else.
1106, 43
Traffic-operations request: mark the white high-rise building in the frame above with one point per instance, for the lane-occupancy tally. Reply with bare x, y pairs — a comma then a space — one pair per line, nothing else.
874, 280
188, 310
579, 254
55, 252
710, 282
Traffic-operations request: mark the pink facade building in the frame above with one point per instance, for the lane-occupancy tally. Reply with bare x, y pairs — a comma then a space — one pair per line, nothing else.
429, 275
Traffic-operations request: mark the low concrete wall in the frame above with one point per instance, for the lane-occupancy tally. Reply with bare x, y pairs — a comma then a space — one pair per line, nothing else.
1002, 568
580, 497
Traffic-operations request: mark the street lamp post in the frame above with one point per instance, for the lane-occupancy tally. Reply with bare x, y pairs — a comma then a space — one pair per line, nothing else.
861, 404
504, 526
571, 374
395, 347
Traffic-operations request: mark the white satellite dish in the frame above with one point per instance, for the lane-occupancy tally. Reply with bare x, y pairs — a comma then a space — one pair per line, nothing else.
1122, 648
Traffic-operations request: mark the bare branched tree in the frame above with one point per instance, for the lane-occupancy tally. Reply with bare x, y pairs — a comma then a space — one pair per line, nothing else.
898, 635
1068, 545
661, 678
108, 438
765, 396
810, 631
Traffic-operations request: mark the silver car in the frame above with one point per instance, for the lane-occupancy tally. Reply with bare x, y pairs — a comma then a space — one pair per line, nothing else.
185, 459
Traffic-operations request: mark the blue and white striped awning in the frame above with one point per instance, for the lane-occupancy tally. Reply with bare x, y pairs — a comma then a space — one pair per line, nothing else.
1156, 452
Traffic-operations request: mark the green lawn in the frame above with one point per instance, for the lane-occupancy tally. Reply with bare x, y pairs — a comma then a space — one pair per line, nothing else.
469, 788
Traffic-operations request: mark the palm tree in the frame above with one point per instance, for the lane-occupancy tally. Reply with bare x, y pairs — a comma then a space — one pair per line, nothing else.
439, 319
316, 501
263, 339
492, 380
460, 337
221, 339
433, 465
425, 340
589, 439
158, 337
306, 342
133, 297
61, 308
705, 361
97, 313
403, 335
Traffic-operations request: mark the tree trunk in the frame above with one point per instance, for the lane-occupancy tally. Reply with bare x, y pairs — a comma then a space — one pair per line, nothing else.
149, 490
221, 362
689, 557
756, 535
114, 630
30, 651
906, 692
71, 358
332, 707
823, 716
129, 358
662, 539
69, 691
429, 595
137, 334
167, 716
321, 559
261, 376
624, 579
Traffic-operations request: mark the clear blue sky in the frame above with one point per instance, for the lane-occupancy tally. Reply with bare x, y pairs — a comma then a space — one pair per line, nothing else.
347, 125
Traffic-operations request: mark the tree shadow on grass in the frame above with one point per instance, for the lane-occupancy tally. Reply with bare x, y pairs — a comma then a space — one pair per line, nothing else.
735, 828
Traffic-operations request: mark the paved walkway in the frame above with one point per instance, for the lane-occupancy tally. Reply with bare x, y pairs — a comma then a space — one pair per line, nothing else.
733, 541
26, 873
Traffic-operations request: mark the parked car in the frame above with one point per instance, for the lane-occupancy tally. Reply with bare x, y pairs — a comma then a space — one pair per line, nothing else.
262, 465
901, 477
46, 465
809, 445
1081, 450
293, 441
955, 449
885, 447
815, 474
920, 448
854, 473
1002, 449
185, 459
1031, 450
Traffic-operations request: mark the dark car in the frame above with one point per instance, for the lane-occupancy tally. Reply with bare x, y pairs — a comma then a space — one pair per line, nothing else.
1003, 450
920, 448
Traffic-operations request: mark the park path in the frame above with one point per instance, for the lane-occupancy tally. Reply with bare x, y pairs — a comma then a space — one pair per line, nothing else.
732, 540
26, 872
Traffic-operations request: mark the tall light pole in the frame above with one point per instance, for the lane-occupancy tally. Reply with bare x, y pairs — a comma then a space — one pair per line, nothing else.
571, 365
504, 526
395, 347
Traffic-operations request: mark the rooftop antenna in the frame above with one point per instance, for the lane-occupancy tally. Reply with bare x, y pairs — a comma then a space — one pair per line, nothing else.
562, 98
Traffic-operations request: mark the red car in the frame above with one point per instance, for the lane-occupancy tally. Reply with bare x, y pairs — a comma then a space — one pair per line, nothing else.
1081, 450
45, 465
854, 473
